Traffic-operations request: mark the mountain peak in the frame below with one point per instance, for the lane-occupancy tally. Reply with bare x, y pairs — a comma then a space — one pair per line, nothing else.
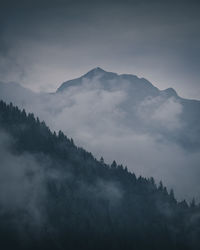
170, 92
98, 69
94, 72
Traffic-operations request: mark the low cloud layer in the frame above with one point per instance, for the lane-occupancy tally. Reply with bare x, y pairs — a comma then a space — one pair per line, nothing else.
22, 181
161, 114
95, 118
26, 184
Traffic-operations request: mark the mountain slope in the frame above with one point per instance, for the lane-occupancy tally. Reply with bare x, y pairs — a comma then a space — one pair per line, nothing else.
77, 202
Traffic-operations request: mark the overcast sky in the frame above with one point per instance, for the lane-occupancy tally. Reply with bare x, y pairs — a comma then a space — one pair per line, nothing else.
43, 43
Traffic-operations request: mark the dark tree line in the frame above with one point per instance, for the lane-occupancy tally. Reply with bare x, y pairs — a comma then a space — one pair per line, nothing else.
91, 205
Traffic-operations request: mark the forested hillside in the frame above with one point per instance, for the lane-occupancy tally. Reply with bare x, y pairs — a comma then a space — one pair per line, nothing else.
64, 198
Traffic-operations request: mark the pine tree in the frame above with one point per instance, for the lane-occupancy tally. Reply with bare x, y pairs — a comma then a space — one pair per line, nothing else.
160, 187
193, 203
102, 160
114, 165
171, 195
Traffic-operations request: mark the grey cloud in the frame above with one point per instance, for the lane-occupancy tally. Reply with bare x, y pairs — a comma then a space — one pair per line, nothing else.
21, 182
24, 189
44, 43
47, 42
95, 118
161, 112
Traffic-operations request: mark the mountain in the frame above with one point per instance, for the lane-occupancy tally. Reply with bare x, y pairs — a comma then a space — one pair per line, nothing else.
112, 81
55, 195
182, 127
126, 118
